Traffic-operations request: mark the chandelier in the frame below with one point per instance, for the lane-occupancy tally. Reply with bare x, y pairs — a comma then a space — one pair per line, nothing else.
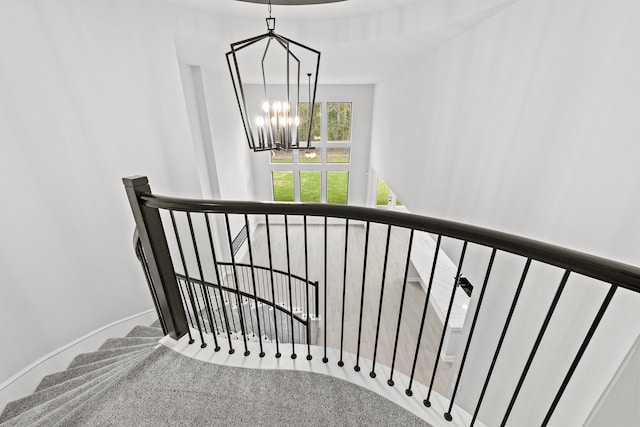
266, 74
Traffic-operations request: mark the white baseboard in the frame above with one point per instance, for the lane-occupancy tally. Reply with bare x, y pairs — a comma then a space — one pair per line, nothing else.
25, 382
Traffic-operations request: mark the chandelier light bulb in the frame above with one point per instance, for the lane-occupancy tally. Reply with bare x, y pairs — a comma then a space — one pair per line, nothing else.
274, 109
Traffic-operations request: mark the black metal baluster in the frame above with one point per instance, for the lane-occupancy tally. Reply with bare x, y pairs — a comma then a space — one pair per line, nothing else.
316, 301
265, 296
185, 305
583, 348
426, 401
325, 359
408, 391
216, 321
447, 415
248, 301
344, 289
253, 280
203, 312
364, 276
372, 374
286, 232
296, 296
154, 294
203, 286
502, 335
235, 279
230, 304
282, 295
404, 288
534, 350
188, 280
273, 289
306, 276
216, 267
300, 333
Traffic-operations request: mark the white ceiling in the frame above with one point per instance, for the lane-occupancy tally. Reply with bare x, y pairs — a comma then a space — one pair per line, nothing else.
361, 40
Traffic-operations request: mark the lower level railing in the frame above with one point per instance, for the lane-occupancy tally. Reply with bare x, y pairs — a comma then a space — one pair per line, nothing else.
339, 277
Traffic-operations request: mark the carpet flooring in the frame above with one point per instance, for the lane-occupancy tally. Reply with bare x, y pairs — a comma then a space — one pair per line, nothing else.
134, 382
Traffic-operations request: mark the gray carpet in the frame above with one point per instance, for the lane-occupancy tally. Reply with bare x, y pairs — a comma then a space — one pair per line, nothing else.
158, 387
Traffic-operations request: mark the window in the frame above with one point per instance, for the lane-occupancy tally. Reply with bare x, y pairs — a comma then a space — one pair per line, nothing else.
338, 155
283, 188
322, 173
383, 193
338, 187
310, 156
310, 187
303, 113
339, 121
281, 156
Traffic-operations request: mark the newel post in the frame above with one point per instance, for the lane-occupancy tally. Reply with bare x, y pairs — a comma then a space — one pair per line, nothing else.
156, 249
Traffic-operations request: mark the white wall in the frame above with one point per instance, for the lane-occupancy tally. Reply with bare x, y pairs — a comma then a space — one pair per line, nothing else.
527, 124
90, 92
621, 405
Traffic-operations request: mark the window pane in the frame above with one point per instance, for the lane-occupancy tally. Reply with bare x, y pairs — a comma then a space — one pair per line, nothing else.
283, 187
310, 187
339, 121
382, 195
303, 113
310, 156
281, 156
338, 187
338, 155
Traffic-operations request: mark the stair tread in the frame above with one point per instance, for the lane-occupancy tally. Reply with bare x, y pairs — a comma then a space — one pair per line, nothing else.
145, 331
35, 413
113, 343
55, 378
19, 406
73, 416
85, 358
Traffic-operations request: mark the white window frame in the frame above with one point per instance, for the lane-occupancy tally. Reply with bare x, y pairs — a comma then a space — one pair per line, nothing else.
323, 166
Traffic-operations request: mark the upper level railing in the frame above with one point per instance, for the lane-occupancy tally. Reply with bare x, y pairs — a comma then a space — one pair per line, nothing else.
359, 260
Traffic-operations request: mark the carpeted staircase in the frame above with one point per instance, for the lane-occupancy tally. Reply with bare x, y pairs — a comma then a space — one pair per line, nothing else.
134, 381
60, 395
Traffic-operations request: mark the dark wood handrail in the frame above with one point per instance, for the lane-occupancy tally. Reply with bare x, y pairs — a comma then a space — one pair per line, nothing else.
242, 293
623, 275
284, 273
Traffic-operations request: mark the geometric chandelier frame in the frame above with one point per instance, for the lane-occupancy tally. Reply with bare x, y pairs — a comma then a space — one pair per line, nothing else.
274, 117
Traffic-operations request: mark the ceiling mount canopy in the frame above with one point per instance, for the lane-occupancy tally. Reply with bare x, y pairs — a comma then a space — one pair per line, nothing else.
277, 113
292, 2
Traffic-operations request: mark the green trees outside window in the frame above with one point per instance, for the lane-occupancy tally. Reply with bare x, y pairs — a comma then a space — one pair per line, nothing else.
303, 113
339, 121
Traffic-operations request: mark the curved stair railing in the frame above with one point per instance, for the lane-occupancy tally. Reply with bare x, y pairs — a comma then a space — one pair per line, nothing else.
364, 288
217, 311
